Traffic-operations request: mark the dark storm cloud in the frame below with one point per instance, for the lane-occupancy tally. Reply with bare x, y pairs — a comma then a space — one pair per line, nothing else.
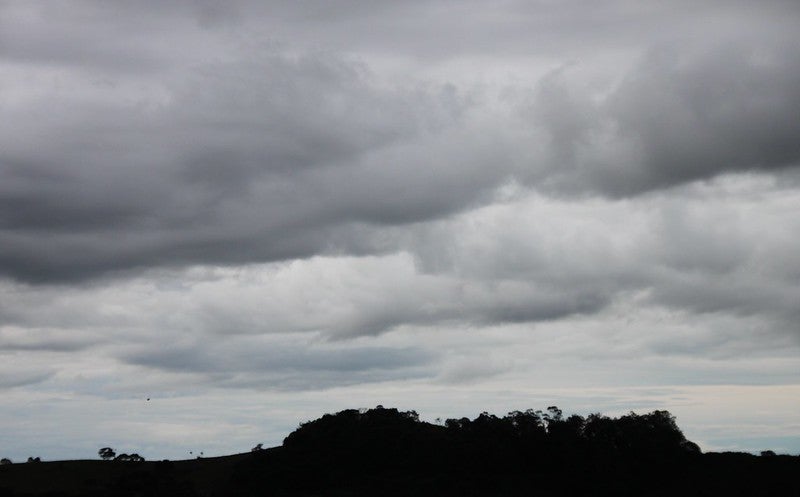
253, 161
682, 114
728, 109
223, 151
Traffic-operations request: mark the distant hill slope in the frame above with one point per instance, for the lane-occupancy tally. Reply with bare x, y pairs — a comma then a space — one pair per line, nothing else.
388, 452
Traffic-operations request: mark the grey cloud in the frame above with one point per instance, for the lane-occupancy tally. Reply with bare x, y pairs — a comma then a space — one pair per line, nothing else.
435, 32
22, 377
736, 341
729, 109
248, 363
721, 248
447, 302
32, 343
268, 155
552, 307
473, 370
201, 199
733, 259
255, 357
254, 161
730, 294
87, 35
700, 251
275, 156
684, 113
129, 38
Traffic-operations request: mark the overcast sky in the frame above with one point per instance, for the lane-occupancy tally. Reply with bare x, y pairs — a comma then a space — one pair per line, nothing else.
256, 212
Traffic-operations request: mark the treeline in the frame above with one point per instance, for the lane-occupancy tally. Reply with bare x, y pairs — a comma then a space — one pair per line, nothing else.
521, 440
525, 433
390, 452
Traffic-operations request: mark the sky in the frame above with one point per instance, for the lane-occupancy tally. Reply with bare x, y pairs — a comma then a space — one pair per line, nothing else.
253, 213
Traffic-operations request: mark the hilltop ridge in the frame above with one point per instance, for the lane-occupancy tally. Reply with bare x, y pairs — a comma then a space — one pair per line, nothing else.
388, 452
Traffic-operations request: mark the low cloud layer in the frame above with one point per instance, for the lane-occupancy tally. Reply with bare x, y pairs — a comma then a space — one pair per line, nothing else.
261, 153
721, 254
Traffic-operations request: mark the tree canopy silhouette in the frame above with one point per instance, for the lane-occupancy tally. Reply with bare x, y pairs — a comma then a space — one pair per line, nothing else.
470, 453
106, 453
654, 434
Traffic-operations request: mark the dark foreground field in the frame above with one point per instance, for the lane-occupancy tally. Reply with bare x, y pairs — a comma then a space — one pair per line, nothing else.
385, 452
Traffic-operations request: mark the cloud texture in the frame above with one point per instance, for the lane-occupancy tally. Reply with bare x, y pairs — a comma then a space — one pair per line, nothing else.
327, 202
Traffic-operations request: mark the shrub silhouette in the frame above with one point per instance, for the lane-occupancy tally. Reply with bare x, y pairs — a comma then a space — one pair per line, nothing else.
129, 458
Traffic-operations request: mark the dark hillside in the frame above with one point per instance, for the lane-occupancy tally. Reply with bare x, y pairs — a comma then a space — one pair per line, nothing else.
391, 453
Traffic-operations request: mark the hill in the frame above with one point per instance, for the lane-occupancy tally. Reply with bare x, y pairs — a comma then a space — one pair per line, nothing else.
391, 453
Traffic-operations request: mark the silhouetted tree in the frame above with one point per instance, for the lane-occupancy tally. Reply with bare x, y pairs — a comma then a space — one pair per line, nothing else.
553, 414
106, 453
457, 424
34, 459
5, 461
